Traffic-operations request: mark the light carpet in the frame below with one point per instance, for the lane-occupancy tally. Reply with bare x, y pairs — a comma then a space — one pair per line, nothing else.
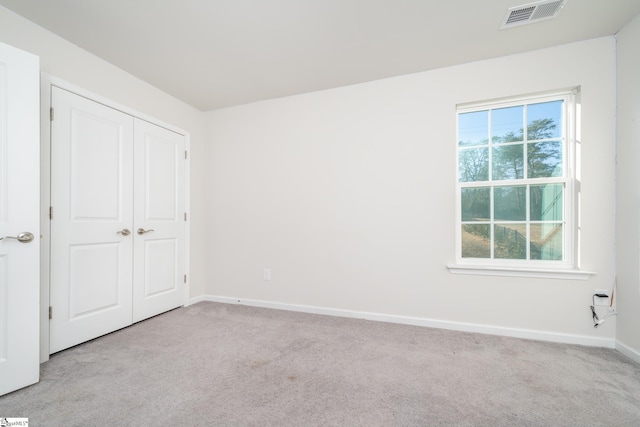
229, 365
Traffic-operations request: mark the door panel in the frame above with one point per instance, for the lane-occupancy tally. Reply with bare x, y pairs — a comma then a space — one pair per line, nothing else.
162, 158
96, 167
19, 212
159, 206
94, 287
161, 269
92, 200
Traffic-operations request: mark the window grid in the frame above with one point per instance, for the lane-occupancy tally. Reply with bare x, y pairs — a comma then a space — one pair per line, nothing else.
561, 225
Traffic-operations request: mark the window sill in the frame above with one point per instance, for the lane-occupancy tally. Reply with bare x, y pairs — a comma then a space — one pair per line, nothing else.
489, 270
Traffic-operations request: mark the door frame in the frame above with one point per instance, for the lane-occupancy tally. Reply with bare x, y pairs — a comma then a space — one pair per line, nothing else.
46, 82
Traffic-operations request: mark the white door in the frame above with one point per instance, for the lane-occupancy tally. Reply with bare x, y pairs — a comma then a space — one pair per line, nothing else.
19, 215
92, 223
159, 220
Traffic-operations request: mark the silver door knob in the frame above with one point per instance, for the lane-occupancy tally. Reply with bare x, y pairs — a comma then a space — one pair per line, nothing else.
24, 237
124, 232
142, 231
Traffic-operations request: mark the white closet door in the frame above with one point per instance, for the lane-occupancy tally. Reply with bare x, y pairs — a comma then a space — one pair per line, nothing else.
159, 220
92, 200
19, 214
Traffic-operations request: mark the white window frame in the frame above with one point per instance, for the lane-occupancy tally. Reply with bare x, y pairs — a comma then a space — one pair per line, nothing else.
568, 267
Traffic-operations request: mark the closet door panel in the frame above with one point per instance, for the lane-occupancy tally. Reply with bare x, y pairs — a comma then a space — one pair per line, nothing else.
92, 200
94, 286
161, 268
159, 220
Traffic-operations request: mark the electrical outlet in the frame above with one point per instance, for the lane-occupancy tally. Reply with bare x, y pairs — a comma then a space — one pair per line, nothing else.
266, 275
601, 300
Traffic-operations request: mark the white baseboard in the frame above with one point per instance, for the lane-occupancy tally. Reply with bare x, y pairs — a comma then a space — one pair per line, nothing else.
418, 321
628, 351
197, 299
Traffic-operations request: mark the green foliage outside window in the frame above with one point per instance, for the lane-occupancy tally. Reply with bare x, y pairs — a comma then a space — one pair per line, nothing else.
511, 171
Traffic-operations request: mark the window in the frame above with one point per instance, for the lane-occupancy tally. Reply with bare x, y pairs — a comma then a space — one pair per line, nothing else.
515, 182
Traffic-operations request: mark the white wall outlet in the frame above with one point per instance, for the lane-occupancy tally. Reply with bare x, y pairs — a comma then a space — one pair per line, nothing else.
601, 300
266, 275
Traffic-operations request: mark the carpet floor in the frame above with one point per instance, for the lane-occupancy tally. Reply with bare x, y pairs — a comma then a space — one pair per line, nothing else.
214, 364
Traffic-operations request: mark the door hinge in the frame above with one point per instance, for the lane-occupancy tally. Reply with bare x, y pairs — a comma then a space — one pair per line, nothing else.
50, 312
50, 212
185, 278
185, 216
51, 114
185, 154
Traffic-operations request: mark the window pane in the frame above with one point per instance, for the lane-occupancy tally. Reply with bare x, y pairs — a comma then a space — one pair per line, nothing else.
509, 203
474, 165
546, 241
507, 124
544, 120
508, 162
546, 202
510, 241
476, 241
473, 128
475, 204
544, 159
512, 177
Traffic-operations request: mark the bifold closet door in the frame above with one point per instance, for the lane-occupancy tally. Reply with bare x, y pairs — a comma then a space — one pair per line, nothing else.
91, 227
159, 220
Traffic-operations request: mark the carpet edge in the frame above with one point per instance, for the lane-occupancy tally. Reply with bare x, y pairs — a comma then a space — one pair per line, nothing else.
431, 323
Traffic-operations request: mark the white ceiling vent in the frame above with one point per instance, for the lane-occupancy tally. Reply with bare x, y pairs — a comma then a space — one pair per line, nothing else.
531, 12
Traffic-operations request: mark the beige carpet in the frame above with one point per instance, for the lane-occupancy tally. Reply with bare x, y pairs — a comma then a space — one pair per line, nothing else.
228, 365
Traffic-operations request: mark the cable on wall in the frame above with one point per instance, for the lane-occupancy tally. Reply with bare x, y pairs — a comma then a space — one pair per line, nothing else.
611, 310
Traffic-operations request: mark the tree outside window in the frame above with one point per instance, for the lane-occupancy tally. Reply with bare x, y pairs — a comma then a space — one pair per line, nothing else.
512, 180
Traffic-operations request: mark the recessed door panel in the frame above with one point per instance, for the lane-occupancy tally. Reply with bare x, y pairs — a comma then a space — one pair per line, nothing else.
94, 283
161, 192
96, 167
161, 269
91, 229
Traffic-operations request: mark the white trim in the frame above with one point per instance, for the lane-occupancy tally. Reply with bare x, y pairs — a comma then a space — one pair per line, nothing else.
516, 100
45, 223
570, 98
197, 299
490, 270
70, 87
419, 321
628, 351
187, 223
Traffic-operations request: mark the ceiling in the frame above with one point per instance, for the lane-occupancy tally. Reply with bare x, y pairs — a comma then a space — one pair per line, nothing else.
217, 53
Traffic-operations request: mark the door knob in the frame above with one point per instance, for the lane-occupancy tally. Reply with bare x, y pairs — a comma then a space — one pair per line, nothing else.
124, 232
142, 231
24, 237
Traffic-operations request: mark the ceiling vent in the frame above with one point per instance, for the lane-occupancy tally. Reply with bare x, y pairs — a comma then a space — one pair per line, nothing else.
532, 12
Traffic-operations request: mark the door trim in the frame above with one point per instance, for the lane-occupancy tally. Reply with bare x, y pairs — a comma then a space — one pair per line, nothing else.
46, 82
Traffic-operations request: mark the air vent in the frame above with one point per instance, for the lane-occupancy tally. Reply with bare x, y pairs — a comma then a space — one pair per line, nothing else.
532, 12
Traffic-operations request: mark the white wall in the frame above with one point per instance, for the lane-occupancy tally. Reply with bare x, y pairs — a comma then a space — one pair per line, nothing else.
70, 63
628, 185
348, 196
